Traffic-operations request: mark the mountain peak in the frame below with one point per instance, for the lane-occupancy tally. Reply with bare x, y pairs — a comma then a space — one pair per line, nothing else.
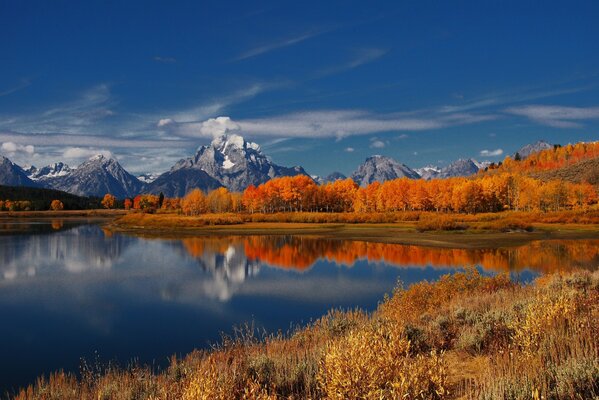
232, 141
381, 168
535, 147
99, 158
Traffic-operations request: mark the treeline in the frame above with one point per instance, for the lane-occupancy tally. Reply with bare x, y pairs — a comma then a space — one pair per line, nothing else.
18, 198
486, 193
550, 159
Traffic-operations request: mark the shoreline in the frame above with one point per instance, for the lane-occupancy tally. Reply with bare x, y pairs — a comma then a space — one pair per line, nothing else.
398, 233
62, 214
403, 232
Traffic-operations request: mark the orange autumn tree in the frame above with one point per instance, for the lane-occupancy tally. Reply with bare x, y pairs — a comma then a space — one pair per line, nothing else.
127, 204
56, 205
557, 157
109, 201
481, 193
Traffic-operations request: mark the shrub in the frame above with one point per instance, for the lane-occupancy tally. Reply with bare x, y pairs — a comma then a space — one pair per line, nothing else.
375, 363
440, 223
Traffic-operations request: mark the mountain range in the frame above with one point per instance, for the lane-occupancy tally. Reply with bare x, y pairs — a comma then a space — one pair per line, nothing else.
228, 161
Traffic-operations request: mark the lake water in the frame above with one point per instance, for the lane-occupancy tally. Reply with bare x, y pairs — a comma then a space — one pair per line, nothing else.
69, 290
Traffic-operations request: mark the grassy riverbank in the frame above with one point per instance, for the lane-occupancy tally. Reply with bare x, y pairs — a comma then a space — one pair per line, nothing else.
429, 229
466, 336
50, 214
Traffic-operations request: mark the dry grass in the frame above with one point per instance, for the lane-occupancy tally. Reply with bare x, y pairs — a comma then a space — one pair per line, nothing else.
421, 221
465, 336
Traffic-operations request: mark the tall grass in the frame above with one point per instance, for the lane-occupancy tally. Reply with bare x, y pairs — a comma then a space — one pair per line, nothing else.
422, 221
465, 336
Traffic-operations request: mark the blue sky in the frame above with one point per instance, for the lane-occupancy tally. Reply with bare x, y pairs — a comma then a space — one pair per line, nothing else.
319, 84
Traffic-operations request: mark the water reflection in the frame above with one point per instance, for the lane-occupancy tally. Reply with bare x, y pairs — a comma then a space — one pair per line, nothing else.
69, 289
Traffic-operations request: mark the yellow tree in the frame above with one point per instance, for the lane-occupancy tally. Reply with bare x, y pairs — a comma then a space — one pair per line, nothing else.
219, 200
194, 203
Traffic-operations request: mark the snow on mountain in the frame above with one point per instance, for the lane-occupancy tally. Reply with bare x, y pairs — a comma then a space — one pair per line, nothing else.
13, 175
147, 178
461, 167
332, 177
380, 169
96, 177
50, 171
428, 172
229, 161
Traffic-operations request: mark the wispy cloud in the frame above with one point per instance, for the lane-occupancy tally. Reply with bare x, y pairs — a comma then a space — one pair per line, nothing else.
510, 97
59, 139
290, 41
165, 60
22, 85
491, 153
361, 57
349, 149
339, 124
72, 117
556, 116
77, 153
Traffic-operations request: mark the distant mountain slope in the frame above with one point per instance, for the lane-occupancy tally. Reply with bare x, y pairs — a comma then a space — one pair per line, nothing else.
532, 148
96, 177
229, 160
48, 172
380, 169
583, 171
460, 167
428, 172
179, 182
13, 175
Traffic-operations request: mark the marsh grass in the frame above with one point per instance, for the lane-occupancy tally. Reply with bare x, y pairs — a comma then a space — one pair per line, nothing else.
465, 336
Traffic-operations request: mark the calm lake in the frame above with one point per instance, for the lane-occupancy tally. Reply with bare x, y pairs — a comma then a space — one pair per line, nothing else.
69, 290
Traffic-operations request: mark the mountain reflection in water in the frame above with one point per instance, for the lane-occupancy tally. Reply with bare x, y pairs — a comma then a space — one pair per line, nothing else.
69, 289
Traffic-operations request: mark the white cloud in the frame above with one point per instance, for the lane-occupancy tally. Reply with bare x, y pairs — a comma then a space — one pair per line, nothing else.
377, 144
556, 116
403, 136
12, 147
214, 127
349, 149
80, 152
165, 122
332, 123
491, 153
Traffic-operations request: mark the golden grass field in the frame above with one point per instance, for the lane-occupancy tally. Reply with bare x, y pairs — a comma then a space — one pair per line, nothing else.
463, 337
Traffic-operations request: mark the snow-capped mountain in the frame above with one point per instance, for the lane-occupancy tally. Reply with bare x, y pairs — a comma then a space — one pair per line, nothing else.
380, 168
461, 167
13, 175
229, 160
147, 178
531, 148
482, 164
428, 172
96, 177
48, 172
332, 177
